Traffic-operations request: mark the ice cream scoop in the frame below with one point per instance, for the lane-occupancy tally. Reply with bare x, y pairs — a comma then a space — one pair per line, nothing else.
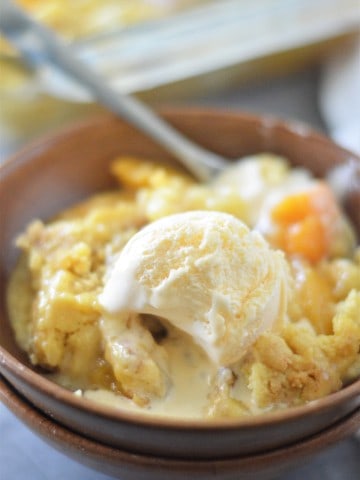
208, 275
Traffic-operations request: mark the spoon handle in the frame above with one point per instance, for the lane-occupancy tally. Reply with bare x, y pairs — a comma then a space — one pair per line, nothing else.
40, 47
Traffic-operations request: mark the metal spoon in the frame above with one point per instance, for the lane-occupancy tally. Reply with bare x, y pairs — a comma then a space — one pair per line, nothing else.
40, 48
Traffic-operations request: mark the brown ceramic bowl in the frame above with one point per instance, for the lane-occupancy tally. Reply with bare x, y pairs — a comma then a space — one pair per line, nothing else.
129, 466
66, 167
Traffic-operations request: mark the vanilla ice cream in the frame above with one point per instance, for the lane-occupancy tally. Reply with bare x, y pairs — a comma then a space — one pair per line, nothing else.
208, 275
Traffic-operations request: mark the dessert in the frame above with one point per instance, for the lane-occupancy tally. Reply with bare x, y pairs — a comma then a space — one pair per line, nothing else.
207, 275
175, 298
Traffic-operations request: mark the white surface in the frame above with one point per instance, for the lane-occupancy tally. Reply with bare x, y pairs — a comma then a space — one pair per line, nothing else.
340, 97
24, 456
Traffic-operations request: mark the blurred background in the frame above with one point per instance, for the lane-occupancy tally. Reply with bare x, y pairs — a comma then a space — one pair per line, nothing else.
298, 59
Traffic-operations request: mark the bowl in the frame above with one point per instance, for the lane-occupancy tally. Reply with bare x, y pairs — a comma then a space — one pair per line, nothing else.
129, 466
55, 172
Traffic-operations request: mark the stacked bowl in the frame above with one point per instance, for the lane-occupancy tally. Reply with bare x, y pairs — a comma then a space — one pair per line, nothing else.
57, 171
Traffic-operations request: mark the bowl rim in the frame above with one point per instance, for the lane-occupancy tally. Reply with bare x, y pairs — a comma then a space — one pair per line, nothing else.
32, 378
55, 391
44, 425
269, 121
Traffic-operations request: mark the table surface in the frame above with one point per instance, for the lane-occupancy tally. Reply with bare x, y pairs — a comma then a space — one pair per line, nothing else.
24, 456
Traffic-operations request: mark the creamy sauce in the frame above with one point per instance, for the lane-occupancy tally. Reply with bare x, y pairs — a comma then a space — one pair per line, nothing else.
191, 373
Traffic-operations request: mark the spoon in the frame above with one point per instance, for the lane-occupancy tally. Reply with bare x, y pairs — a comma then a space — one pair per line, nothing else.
40, 48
